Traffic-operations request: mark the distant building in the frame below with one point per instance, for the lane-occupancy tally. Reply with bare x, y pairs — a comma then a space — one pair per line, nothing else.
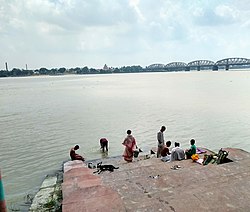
105, 67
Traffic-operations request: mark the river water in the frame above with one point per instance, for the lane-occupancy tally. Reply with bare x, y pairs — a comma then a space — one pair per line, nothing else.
41, 118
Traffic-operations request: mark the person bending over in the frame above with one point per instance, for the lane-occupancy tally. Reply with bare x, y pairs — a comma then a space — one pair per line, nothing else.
73, 154
104, 144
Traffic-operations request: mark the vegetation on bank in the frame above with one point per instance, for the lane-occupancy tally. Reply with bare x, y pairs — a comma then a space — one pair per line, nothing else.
16, 72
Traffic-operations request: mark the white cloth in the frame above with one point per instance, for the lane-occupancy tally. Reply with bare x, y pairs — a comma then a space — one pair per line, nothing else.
177, 153
166, 158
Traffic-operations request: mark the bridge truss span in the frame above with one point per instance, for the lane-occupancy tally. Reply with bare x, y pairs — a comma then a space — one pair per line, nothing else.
227, 63
156, 65
196, 63
176, 65
233, 61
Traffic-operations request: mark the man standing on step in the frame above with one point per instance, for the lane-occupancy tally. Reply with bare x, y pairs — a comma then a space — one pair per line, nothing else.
160, 139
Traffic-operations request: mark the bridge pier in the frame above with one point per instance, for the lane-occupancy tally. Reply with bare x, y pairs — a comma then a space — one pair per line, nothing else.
215, 68
227, 67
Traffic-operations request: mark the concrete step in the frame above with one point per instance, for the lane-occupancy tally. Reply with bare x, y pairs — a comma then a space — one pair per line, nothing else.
84, 191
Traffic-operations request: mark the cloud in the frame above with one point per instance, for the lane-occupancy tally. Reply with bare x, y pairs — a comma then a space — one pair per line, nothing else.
55, 33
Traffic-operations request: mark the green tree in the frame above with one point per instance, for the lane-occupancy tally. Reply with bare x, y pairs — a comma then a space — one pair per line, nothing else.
61, 70
85, 70
43, 71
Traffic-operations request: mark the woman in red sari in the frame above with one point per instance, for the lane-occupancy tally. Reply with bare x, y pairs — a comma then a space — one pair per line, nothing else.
130, 145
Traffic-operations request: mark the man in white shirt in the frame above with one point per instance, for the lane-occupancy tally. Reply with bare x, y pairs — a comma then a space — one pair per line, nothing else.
177, 153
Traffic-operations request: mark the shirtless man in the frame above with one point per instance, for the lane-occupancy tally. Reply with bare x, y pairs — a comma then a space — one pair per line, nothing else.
73, 154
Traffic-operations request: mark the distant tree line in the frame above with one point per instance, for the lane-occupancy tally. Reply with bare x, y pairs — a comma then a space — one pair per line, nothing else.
16, 72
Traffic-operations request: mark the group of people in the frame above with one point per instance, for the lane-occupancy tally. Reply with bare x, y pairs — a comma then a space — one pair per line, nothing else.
75, 156
177, 153
163, 150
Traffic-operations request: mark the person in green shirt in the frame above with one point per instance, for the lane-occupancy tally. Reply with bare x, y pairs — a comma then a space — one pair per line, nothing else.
192, 150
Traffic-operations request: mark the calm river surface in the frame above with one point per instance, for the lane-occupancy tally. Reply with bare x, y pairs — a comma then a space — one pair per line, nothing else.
41, 118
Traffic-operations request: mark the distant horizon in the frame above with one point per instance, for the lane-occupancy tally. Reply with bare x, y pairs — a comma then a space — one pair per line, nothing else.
113, 66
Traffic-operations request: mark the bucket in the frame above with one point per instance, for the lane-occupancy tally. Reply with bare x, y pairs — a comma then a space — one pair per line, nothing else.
136, 153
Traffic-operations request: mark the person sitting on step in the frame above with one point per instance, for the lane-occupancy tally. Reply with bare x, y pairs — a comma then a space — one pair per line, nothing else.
177, 153
165, 153
192, 150
73, 154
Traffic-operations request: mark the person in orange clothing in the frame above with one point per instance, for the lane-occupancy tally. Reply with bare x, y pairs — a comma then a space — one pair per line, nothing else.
130, 145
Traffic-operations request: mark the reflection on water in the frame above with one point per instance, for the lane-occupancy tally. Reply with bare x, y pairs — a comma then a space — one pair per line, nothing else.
41, 118
104, 155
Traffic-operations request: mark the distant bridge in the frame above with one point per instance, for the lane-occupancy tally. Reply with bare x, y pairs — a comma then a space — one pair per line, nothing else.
198, 65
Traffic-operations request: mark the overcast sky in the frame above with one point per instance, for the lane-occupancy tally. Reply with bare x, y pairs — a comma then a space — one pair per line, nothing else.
78, 33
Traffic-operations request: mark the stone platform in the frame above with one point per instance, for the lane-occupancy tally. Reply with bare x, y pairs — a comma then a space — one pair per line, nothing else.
151, 185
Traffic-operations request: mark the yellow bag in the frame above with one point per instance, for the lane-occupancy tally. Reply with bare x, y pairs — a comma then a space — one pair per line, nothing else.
195, 157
